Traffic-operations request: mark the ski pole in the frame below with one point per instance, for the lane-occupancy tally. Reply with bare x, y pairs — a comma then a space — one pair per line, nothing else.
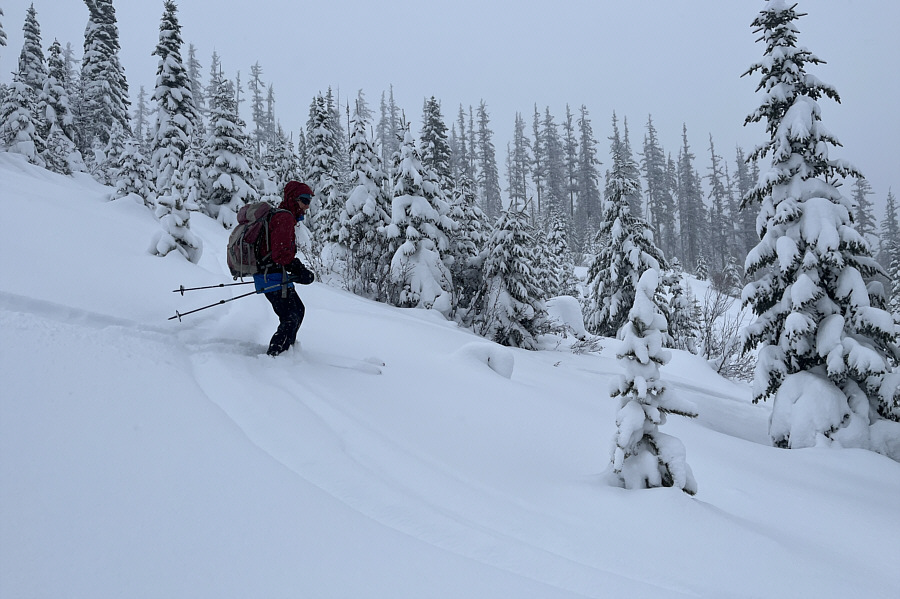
178, 314
181, 289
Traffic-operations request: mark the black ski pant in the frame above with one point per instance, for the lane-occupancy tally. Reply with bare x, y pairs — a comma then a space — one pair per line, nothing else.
290, 311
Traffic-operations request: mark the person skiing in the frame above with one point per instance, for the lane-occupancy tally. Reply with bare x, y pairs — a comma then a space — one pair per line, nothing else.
285, 268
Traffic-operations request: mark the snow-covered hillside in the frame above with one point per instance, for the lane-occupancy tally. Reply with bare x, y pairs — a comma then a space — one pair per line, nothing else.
394, 455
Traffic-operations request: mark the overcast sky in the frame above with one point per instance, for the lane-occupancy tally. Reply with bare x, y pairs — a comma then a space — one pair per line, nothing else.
679, 61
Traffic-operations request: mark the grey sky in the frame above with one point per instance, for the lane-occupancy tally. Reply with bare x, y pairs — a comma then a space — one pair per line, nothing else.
679, 61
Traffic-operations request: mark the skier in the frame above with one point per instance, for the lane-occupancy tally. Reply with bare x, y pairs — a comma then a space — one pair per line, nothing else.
286, 267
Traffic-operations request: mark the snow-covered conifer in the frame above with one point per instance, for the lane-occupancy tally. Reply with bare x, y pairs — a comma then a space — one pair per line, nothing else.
488, 175
32, 69
61, 154
701, 271
226, 159
824, 346
467, 243
324, 173
434, 144
642, 456
364, 217
175, 110
131, 174
2, 33
18, 133
417, 231
509, 308
625, 248
561, 268
104, 89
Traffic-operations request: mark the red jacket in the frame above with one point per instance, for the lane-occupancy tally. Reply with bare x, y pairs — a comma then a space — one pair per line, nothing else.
282, 238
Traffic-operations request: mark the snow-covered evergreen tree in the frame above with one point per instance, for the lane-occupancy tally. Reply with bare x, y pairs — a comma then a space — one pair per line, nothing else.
172, 133
488, 175
625, 248
509, 307
890, 233
824, 346
864, 215
2, 33
18, 133
434, 143
104, 93
560, 266
175, 110
518, 163
324, 173
469, 240
132, 174
658, 191
32, 68
417, 232
554, 167
642, 456
701, 271
226, 159
691, 209
61, 154
364, 217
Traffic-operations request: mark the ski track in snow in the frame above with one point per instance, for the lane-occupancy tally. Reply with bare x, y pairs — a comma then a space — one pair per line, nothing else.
295, 420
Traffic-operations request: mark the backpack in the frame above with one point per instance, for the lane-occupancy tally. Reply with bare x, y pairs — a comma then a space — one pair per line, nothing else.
248, 250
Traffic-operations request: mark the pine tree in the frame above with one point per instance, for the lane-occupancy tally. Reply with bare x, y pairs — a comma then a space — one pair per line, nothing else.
365, 215
259, 135
660, 202
560, 266
643, 457
488, 175
227, 164
2, 33
519, 164
626, 248
31, 58
570, 145
824, 346
588, 210
890, 233
701, 271
864, 215
467, 243
693, 226
175, 110
61, 154
18, 133
555, 165
324, 172
435, 146
632, 171
746, 219
417, 237
193, 67
142, 129
104, 95
389, 133
539, 161
132, 174
720, 221
509, 307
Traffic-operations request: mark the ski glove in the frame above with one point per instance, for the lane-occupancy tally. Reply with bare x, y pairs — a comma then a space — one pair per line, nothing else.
299, 273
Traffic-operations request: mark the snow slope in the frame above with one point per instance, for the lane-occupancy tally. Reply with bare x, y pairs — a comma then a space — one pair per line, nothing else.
394, 455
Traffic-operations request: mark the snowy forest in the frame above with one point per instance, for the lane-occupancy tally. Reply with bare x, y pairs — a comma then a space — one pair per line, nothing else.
438, 218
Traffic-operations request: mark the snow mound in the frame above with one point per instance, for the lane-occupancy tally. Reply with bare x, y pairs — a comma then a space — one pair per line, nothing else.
496, 357
566, 310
